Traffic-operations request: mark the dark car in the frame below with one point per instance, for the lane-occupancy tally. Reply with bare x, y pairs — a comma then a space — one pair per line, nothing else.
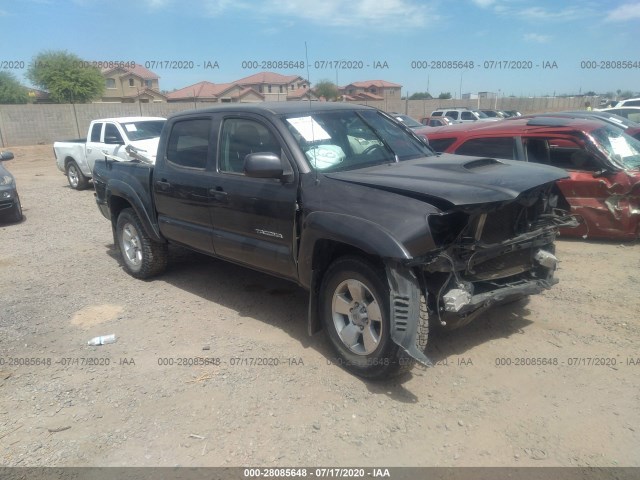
10, 207
603, 163
351, 205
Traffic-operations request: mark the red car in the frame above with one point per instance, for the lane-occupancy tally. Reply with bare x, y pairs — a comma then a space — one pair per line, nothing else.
602, 161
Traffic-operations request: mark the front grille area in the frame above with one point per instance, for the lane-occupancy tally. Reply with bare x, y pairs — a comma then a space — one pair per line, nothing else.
500, 267
500, 225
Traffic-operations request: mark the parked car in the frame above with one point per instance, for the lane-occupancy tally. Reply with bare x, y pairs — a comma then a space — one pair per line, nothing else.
630, 113
10, 206
494, 113
108, 136
630, 127
602, 161
629, 102
407, 120
437, 121
349, 204
512, 113
462, 115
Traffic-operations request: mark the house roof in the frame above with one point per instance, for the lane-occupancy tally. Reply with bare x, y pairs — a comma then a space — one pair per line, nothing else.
138, 70
246, 91
270, 78
363, 96
299, 93
373, 83
201, 90
149, 91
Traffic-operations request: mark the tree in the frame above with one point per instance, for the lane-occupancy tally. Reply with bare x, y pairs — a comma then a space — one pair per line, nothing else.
420, 96
10, 89
66, 77
326, 89
444, 96
626, 94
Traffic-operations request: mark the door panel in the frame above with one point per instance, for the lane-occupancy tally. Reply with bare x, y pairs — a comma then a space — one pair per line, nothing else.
253, 218
181, 185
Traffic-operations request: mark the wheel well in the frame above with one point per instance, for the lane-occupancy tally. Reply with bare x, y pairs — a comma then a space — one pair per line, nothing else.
116, 205
326, 251
67, 161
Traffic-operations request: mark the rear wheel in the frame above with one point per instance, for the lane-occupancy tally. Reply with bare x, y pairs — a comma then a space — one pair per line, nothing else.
143, 258
356, 314
75, 177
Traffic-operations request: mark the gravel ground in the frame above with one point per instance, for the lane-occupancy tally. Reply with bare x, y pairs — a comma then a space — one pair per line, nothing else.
548, 382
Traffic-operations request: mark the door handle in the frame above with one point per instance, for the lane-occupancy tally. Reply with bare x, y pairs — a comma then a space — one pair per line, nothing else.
163, 184
217, 192
88, 150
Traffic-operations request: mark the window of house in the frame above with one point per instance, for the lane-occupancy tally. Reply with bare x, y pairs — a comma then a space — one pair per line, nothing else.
110, 83
95, 132
148, 83
441, 144
498, 147
280, 88
188, 144
131, 82
269, 88
240, 137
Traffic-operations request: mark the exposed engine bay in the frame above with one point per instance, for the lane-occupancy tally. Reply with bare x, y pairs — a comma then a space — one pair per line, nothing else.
492, 255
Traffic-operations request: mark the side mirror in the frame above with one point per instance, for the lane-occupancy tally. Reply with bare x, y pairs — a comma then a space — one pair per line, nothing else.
263, 165
6, 156
113, 141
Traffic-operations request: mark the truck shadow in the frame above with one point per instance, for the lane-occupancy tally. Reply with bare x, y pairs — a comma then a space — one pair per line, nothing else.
283, 305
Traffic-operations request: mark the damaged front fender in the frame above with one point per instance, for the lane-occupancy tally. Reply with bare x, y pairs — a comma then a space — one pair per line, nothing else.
404, 299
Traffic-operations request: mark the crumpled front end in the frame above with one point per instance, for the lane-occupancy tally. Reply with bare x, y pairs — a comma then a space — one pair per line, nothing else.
491, 254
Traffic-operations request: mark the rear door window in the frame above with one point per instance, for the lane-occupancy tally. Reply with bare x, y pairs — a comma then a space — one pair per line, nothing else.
96, 130
188, 144
453, 114
497, 147
441, 144
467, 116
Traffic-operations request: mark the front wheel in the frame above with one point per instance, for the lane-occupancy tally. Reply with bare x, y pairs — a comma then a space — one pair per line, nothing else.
355, 310
143, 258
16, 212
75, 177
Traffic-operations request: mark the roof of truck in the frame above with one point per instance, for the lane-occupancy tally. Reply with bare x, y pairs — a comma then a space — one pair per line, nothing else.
278, 108
128, 119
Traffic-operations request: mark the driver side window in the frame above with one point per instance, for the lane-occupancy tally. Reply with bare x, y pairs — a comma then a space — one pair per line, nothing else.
240, 137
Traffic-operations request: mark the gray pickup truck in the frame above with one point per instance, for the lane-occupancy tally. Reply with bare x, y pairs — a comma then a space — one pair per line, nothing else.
350, 204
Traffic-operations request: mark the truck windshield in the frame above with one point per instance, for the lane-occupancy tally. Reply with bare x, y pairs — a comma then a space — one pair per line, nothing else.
143, 130
621, 148
349, 139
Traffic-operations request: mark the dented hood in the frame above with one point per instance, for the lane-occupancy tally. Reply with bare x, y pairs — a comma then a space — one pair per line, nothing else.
456, 179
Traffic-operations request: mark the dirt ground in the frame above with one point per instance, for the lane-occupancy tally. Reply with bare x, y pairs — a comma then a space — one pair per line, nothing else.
549, 382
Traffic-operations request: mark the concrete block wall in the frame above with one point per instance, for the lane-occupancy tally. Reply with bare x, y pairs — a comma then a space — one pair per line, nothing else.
45, 124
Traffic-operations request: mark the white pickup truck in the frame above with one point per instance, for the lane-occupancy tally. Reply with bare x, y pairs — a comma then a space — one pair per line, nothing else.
107, 136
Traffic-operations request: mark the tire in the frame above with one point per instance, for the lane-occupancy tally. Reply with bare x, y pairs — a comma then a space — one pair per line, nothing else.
142, 257
15, 215
75, 177
355, 311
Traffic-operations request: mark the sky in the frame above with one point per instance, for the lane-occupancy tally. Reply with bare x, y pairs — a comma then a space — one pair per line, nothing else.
511, 47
